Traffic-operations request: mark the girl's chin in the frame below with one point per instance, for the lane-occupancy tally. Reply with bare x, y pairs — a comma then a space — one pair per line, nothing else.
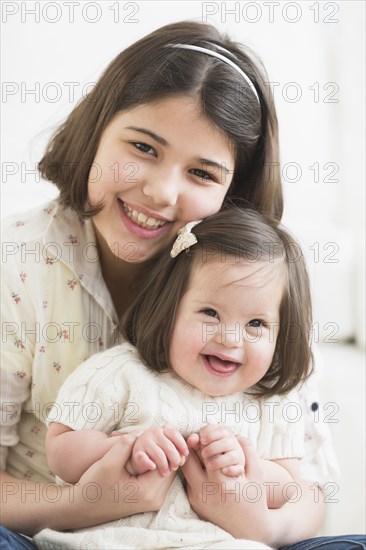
131, 253
131, 258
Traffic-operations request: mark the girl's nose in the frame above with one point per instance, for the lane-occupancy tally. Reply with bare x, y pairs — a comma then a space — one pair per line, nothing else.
162, 188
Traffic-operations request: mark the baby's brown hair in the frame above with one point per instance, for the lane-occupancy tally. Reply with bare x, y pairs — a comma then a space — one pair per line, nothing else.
246, 235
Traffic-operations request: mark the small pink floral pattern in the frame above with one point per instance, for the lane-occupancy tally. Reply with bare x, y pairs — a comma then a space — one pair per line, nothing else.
72, 283
73, 239
21, 374
56, 366
16, 297
49, 261
19, 224
19, 344
23, 276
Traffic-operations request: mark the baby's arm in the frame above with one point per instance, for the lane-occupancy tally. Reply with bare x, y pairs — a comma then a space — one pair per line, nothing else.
70, 453
158, 448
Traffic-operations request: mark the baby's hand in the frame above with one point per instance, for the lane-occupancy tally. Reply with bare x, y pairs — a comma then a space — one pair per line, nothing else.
219, 449
162, 448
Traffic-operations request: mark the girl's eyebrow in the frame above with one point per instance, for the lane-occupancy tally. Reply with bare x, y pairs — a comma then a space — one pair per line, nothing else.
149, 133
163, 141
213, 164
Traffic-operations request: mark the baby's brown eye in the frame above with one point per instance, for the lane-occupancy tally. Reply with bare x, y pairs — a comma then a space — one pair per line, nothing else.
255, 323
210, 312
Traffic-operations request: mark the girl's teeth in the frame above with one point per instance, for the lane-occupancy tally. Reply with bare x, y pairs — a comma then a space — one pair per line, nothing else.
151, 222
141, 219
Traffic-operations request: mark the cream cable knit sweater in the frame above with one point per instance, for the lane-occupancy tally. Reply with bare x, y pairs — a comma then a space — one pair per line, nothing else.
115, 390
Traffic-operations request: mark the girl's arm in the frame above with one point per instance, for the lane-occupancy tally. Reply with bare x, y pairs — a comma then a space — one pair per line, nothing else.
279, 480
300, 519
70, 453
28, 507
219, 449
244, 513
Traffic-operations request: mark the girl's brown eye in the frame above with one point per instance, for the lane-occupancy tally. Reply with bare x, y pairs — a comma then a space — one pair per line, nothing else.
202, 174
144, 147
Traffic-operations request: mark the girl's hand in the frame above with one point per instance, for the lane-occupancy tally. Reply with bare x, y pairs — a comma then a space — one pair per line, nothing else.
237, 505
218, 449
106, 491
163, 449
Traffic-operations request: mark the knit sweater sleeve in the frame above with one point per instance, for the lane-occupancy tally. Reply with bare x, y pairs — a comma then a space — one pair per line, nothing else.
97, 394
282, 428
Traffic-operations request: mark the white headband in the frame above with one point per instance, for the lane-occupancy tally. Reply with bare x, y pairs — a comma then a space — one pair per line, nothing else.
223, 58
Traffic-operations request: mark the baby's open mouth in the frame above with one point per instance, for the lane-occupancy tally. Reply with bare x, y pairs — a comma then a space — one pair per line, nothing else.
221, 365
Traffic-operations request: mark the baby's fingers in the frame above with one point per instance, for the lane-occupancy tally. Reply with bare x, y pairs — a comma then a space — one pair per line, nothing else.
143, 462
158, 455
193, 441
224, 445
214, 432
163, 452
224, 460
233, 471
174, 435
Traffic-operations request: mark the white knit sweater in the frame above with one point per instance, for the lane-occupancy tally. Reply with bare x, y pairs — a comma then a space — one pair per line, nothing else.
115, 390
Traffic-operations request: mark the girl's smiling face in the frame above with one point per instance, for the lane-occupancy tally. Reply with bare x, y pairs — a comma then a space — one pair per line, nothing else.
158, 166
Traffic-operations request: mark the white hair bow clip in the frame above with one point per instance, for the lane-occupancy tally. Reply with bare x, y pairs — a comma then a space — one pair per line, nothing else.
185, 238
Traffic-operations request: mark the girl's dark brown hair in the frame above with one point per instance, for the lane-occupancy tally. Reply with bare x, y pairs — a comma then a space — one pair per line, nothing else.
245, 234
149, 70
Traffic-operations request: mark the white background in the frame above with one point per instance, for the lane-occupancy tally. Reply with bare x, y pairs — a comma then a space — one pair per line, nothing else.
314, 55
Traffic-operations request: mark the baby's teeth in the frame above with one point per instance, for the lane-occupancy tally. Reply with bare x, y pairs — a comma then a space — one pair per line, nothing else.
141, 217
